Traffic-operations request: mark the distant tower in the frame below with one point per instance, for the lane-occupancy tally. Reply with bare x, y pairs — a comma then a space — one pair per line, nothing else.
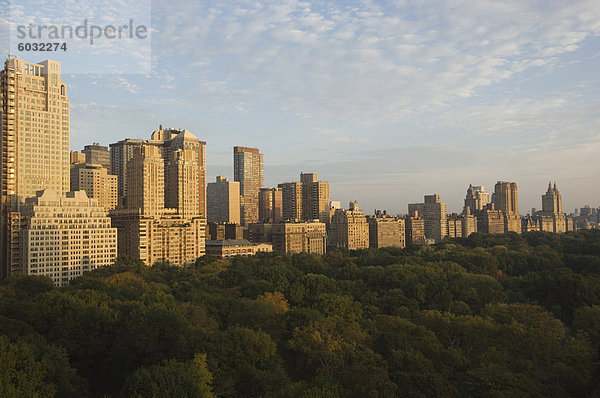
248, 170
552, 200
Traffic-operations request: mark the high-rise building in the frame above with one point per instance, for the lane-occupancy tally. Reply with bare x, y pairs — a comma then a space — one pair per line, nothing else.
146, 180
270, 205
292, 237
120, 154
162, 217
292, 207
194, 155
476, 198
65, 236
182, 181
97, 154
552, 200
248, 171
349, 228
96, 182
552, 218
34, 150
386, 231
315, 197
433, 212
506, 199
306, 200
223, 198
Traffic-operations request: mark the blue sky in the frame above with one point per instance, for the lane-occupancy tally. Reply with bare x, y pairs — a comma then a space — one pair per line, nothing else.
386, 100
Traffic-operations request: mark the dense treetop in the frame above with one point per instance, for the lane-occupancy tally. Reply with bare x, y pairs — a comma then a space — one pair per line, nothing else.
486, 316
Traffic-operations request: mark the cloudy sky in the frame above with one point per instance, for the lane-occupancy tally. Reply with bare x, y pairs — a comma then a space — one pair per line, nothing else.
386, 100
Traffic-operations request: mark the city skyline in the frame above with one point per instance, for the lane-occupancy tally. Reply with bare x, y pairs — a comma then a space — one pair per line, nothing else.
402, 99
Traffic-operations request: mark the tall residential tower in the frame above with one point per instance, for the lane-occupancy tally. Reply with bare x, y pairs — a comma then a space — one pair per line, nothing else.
248, 170
34, 150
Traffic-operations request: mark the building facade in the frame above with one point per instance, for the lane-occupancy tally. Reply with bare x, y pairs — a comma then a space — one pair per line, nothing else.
223, 200
291, 237
270, 205
97, 154
386, 231
235, 247
506, 200
248, 171
64, 236
414, 229
433, 212
349, 228
96, 182
35, 145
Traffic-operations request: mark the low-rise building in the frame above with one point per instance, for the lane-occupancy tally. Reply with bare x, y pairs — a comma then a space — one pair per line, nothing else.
235, 247
349, 228
386, 231
290, 237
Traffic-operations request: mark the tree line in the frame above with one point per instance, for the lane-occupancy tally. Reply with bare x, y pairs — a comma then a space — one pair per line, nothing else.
484, 316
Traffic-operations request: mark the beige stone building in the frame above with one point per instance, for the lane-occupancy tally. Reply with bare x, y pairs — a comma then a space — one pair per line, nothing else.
181, 152
248, 171
35, 144
160, 237
477, 198
315, 197
146, 181
291, 237
77, 157
235, 247
270, 205
223, 201
349, 228
506, 200
163, 219
433, 212
386, 231
65, 236
182, 182
491, 221
462, 225
96, 182
306, 200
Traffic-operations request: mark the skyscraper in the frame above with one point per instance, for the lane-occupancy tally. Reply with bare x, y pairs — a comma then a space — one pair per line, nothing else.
315, 197
223, 199
34, 151
120, 154
270, 205
248, 170
506, 199
476, 198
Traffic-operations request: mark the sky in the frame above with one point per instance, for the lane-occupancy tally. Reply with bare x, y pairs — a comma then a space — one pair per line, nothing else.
386, 100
